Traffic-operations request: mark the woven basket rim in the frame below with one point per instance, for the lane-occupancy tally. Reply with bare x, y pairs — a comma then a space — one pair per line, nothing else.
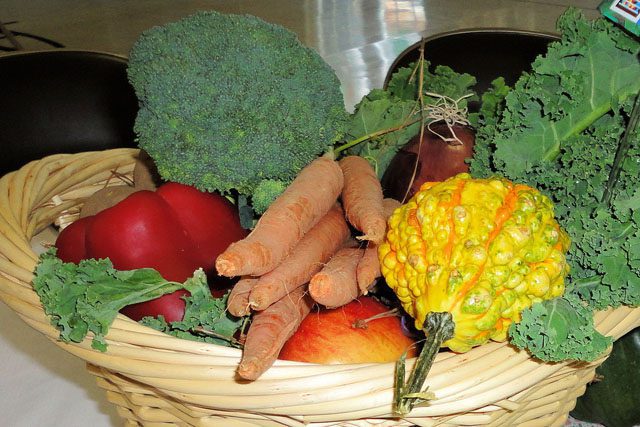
202, 375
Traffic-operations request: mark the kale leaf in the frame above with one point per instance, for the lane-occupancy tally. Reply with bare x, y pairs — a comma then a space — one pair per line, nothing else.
558, 330
205, 319
387, 119
592, 69
85, 298
559, 131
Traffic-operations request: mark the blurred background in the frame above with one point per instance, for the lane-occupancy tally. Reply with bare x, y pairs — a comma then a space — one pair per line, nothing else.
40, 384
360, 39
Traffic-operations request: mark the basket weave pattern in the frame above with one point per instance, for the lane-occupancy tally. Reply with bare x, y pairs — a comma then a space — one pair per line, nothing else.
158, 380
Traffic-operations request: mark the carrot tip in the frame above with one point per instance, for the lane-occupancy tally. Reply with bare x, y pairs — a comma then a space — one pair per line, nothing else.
372, 238
226, 267
250, 370
256, 305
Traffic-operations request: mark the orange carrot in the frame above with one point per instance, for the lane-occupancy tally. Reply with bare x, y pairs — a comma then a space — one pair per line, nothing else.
269, 330
336, 285
308, 257
238, 301
368, 269
362, 198
309, 197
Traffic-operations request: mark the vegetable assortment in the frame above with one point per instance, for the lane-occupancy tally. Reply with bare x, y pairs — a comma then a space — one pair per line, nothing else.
472, 257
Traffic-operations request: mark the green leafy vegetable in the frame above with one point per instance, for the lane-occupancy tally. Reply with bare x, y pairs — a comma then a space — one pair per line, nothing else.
559, 131
86, 297
589, 72
486, 121
386, 119
558, 330
205, 319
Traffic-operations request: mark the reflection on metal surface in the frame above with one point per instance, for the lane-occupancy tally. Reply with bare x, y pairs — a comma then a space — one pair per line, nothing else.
360, 40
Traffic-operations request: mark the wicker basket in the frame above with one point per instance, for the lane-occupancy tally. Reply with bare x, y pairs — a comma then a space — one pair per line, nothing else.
158, 380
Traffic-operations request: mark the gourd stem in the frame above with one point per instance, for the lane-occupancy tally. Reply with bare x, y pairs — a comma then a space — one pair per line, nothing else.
438, 327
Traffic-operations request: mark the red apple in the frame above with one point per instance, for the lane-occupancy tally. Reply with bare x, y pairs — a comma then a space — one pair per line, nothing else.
334, 336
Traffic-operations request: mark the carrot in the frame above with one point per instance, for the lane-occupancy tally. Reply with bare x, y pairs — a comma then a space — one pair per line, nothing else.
368, 269
308, 257
309, 197
336, 285
389, 205
269, 331
362, 198
238, 301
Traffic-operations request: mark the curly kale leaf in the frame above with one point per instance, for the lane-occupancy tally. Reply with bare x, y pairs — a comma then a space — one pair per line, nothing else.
583, 76
559, 329
205, 318
486, 120
86, 297
386, 119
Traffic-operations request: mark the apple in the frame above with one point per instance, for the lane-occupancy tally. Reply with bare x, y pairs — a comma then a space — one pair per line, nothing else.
348, 334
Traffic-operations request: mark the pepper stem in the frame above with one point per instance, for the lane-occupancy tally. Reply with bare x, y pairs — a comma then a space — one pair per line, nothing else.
438, 328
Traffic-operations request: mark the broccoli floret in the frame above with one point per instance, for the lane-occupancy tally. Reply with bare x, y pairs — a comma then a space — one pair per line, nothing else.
265, 193
227, 101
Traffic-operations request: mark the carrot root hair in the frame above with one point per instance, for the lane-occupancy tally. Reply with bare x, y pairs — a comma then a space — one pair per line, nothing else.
238, 301
269, 331
310, 254
362, 198
305, 201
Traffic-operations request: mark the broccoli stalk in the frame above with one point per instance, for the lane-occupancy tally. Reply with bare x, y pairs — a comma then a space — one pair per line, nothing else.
233, 104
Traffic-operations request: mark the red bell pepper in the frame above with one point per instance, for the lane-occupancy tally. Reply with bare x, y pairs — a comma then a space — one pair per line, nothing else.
175, 230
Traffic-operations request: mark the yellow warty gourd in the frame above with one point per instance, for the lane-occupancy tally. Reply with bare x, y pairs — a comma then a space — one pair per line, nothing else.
480, 249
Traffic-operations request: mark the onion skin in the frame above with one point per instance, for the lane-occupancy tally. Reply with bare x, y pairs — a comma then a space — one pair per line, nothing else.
438, 160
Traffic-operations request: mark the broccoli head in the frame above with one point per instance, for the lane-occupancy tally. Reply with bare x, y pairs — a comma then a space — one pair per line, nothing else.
227, 101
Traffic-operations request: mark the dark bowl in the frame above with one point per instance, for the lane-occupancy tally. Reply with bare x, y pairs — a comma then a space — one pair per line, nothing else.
484, 53
63, 101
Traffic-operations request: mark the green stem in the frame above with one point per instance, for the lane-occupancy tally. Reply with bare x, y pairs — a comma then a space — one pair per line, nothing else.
576, 129
438, 327
623, 148
587, 282
372, 135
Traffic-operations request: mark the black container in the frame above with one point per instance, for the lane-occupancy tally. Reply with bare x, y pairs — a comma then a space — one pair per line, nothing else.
63, 101
485, 54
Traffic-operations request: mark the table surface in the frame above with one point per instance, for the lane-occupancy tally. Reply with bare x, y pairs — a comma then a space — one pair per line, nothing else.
40, 384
